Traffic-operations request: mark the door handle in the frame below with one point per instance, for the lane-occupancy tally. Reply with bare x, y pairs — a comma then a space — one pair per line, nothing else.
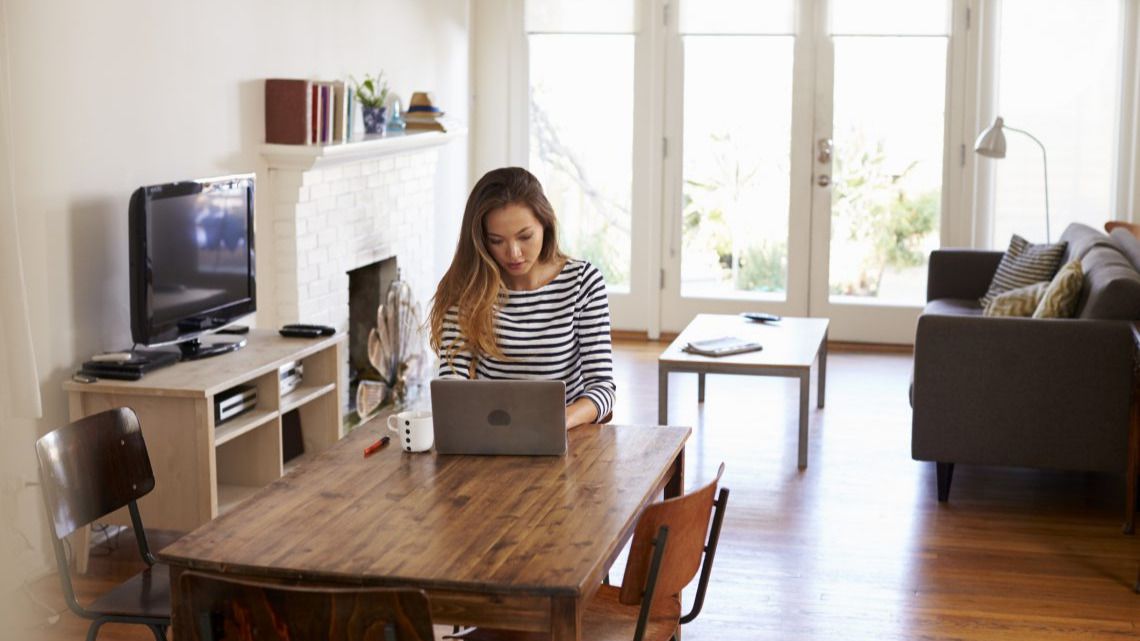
823, 150
823, 180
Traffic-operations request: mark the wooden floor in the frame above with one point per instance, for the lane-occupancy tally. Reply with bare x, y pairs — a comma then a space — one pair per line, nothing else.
856, 546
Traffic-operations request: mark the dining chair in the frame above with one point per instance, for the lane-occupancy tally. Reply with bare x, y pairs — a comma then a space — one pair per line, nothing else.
669, 540
213, 608
88, 469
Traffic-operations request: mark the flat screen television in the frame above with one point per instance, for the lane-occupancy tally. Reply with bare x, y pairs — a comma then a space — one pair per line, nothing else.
191, 262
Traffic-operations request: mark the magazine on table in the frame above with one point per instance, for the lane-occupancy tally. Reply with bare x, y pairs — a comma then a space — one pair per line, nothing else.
722, 346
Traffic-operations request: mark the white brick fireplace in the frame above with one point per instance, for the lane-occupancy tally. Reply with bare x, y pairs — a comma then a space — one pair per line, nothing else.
335, 208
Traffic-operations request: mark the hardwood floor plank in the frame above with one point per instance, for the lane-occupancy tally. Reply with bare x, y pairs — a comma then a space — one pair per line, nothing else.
856, 547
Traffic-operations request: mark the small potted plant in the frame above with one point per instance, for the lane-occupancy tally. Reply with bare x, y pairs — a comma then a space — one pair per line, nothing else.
371, 94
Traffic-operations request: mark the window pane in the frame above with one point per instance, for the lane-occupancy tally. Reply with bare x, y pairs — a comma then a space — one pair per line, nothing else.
737, 16
580, 16
1058, 79
887, 183
737, 140
890, 17
581, 143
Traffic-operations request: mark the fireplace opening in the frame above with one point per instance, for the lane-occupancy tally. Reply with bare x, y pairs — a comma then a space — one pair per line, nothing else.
367, 286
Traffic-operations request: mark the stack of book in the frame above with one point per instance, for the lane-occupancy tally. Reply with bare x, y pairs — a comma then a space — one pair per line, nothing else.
423, 114
308, 112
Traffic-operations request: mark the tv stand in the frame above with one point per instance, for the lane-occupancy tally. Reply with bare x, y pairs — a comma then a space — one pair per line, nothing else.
202, 466
194, 349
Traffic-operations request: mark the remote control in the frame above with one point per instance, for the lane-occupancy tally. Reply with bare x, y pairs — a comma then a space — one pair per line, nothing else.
299, 332
761, 317
112, 357
325, 330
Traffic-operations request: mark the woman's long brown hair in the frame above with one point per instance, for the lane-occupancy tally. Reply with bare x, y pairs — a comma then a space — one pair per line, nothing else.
474, 284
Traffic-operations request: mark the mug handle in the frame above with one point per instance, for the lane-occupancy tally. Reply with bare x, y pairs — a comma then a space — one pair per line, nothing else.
394, 428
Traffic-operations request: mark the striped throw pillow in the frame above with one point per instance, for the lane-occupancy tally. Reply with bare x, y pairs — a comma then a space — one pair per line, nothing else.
1060, 298
1017, 302
1024, 264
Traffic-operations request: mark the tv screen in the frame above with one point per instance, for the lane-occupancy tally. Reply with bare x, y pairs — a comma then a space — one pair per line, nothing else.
192, 259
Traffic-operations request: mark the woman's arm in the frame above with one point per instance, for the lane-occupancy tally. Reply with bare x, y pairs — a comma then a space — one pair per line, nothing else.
593, 327
581, 412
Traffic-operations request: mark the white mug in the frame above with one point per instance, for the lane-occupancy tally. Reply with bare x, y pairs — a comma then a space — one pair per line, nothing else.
414, 429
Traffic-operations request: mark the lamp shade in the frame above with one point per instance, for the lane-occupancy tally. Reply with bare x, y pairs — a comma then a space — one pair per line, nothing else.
991, 142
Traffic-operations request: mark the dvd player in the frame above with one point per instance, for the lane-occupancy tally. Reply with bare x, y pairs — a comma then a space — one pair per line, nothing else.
139, 363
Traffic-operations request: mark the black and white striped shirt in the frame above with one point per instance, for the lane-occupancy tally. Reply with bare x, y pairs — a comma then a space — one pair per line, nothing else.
560, 331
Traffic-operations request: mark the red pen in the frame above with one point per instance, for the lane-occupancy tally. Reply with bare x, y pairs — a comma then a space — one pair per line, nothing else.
376, 447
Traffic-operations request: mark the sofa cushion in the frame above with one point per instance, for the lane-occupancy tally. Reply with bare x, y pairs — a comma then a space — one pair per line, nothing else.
1060, 297
953, 307
1018, 302
1024, 264
1128, 244
1080, 239
1112, 286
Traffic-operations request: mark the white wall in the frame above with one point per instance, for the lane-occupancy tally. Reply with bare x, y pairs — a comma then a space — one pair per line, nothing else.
108, 96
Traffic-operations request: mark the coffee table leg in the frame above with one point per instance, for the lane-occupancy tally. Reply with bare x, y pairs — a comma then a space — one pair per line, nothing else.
805, 388
701, 387
662, 396
822, 372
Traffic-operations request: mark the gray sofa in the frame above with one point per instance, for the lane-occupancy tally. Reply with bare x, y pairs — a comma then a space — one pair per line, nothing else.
1040, 393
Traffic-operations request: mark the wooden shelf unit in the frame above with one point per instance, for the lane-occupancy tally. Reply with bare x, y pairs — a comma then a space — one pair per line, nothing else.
201, 468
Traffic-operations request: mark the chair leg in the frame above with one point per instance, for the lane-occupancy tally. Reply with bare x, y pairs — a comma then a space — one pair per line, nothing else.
159, 632
945, 476
93, 631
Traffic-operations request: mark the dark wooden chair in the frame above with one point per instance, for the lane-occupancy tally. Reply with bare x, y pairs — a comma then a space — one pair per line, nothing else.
89, 469
668, 542
212, 608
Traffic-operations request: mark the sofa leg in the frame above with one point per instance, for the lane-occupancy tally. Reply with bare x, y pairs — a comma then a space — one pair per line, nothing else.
945, 475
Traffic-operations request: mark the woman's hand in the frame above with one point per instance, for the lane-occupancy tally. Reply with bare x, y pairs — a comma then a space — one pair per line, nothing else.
581, 412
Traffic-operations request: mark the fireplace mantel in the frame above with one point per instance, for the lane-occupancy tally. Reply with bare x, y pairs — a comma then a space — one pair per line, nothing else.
305, 157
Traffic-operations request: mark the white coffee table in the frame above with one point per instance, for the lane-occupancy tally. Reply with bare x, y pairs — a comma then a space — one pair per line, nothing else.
790, 347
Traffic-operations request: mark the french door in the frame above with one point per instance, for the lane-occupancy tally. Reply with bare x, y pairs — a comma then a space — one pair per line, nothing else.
721, 156
806, 159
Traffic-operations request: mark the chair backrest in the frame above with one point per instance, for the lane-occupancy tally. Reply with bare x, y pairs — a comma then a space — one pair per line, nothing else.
212, 608
687, 519
1131, 227
92, 467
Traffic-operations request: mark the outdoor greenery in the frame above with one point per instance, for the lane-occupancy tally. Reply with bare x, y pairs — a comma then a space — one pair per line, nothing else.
707, 210
875, 211
602, 229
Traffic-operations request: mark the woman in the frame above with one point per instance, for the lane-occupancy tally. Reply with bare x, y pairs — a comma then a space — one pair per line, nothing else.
513, 306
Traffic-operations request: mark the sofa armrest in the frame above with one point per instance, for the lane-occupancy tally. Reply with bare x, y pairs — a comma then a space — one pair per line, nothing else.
960, 273
1022, 392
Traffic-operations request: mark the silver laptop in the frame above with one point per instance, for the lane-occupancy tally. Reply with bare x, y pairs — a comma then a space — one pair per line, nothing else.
499, 417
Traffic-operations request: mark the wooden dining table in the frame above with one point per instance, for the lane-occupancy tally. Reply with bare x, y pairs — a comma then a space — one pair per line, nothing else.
507, 542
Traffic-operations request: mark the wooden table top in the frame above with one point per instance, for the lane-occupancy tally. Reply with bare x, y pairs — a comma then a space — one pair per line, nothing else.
791, 342
501, 524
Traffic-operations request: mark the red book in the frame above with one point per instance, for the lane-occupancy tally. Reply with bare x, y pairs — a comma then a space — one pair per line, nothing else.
287, 118
315, 113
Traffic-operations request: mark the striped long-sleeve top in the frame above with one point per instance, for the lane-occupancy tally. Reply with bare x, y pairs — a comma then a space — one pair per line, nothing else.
560, 331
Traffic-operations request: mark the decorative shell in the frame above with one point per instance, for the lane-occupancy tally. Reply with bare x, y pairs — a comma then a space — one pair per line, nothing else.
395, 350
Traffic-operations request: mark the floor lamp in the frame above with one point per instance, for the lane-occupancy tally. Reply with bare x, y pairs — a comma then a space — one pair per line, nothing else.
991, 144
